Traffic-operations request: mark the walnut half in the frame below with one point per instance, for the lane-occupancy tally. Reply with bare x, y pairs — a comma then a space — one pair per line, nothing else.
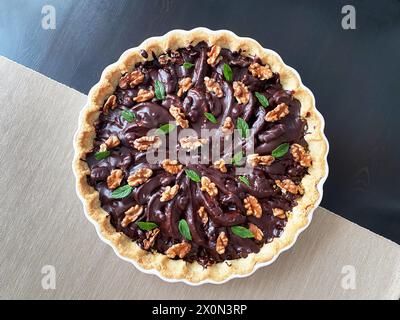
208, 186
179, 249
139, 177
213, 86
288, 185
279, 213
261, 72
112, 142
222, 243
150, 238
131, 215
255, 159
258, 234
252, 206
280, 111
114, 179
228, 126
203, 215
147, 142
184, 85
300, 155
169, 193
241, 92
179, 116
131, 80
171, 166
220, 165
213, 55
111, 103
192, 143
144, 95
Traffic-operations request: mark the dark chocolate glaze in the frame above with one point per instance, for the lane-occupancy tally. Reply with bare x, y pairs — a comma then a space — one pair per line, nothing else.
226, 209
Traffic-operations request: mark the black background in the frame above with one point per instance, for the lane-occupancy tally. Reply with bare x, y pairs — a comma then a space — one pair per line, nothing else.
354, 74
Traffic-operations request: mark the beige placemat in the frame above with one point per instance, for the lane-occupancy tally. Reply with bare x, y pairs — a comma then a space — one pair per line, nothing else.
42, 223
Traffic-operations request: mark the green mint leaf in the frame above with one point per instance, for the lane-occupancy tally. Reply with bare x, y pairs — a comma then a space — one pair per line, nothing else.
159, 90
188, 65
281, 150
122, 192
193, 175
228, 73
184, 229
128, 115
243, 128
210, 117
245, 180
147, 225
166, 128
262, 99
237, 158
242, 232
101, 155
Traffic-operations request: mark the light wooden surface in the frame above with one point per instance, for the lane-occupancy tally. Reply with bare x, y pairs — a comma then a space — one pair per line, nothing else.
42, 222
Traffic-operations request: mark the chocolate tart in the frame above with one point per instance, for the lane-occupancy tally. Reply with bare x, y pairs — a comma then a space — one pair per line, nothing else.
198, 221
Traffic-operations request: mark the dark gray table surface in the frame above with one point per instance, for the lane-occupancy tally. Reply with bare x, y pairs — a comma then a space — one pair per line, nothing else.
354, 74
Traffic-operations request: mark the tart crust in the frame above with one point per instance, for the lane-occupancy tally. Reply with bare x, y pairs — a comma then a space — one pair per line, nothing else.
160, 264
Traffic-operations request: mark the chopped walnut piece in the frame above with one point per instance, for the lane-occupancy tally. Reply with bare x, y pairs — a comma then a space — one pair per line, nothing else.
147, 142
254, 160
261, 72
164, 59
280, 111
131, 215
140, 176
103, 147
111, 103
192, 143
279, 213
208, 186
300, 155
213, 55
220, 165
171, 166
179, 249
176, 57
241, 92
150, 238
288, 185
222, 243
112, 142
213, 86
114, 179
179, 116
252, 206
184, 85
169, 193
203, 215
228, 126
131, 79
258, 234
